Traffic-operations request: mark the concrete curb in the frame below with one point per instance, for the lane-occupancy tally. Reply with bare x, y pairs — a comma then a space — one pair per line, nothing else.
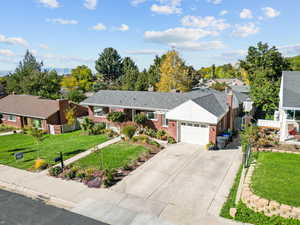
48, 199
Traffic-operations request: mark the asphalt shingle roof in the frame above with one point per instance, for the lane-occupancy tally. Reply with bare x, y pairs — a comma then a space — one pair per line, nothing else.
291, 89
28, 105
158, 100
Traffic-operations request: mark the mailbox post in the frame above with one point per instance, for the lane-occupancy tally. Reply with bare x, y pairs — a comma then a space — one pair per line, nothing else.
60, 159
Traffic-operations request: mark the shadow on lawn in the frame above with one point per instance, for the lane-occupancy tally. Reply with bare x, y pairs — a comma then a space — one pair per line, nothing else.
74, 152
16, 150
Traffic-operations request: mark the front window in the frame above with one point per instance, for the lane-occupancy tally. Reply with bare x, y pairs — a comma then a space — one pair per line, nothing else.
151, 116
12, 118
100, 111
293, 114
37, 123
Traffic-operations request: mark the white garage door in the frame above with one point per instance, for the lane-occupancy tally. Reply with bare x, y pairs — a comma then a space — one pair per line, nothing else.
194, 133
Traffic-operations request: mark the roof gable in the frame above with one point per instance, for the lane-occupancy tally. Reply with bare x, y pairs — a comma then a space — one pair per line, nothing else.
191, 111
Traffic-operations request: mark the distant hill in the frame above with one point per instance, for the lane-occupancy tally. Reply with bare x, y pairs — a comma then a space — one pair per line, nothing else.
60, 71
295, 62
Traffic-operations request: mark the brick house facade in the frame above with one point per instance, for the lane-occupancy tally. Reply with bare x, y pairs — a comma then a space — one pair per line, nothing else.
24, 110
216, 111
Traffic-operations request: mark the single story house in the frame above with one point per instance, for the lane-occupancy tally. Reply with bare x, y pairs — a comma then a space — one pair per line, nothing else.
27, 110
195, 117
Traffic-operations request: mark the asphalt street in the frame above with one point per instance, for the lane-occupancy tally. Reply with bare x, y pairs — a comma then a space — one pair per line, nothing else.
19, 210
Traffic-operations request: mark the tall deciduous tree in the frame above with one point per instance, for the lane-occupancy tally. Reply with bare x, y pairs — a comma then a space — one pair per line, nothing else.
174, 74
109, 64
81, 78
264, 66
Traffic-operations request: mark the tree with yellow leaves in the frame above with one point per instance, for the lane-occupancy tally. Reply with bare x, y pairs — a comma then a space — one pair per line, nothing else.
174, 74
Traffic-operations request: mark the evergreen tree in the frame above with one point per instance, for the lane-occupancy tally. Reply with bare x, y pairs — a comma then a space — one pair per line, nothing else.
109, 64
142, 82
130, 74
154, 70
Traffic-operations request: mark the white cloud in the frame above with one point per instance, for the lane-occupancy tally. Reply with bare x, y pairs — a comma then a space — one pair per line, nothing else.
184, 38
6, 52
43, 46
199, 46
270, 12
290, 50
215, 2
62, 21
246, 14
13, 40
223, 12
178, 34
90, 4
205, 22
50, 3
245, 30
137, 2
99, 26
143, 52
167, 7
123, 27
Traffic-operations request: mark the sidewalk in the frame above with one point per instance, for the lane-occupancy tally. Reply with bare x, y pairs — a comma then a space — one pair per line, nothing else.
107, 205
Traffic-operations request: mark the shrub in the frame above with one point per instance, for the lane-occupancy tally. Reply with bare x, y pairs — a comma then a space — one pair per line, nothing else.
140, 119
81, 174
160, 134
150, 132
55, 171
109, 177
118, 117
155, 143
109, 132
98, 128
250, 135
171, 140
88, 125
40, 164
129, 131
141, 138
5, 128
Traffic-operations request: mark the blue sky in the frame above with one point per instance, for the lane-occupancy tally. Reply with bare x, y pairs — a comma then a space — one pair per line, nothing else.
67, 33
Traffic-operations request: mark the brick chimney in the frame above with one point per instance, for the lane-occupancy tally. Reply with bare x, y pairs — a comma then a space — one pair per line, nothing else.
63, 106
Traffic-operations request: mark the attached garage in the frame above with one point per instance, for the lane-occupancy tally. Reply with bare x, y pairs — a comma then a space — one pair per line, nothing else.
194, 133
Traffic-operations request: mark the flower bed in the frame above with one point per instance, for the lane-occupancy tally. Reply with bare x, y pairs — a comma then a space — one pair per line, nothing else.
106, 167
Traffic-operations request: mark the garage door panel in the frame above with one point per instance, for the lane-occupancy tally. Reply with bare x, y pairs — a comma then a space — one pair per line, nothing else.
194, 133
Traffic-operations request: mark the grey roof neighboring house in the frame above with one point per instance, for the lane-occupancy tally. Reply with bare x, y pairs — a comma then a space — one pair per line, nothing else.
159, 100
28, 105
241, 89
291, 89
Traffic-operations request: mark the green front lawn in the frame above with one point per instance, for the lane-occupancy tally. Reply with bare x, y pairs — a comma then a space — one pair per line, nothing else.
113, 156
70, 144
277, 177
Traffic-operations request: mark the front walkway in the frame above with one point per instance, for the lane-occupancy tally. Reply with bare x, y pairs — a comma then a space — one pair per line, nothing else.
183, 184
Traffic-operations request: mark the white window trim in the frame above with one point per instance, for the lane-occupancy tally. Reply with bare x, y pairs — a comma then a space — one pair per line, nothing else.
102, 116
15, 120
154, 119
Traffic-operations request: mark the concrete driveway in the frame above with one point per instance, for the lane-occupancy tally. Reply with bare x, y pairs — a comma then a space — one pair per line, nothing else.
182, 185
189, 182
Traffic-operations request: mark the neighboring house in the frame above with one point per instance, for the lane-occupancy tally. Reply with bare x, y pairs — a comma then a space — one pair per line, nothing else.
27, 110
229, 81
289, 106
195, 117
287, 118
